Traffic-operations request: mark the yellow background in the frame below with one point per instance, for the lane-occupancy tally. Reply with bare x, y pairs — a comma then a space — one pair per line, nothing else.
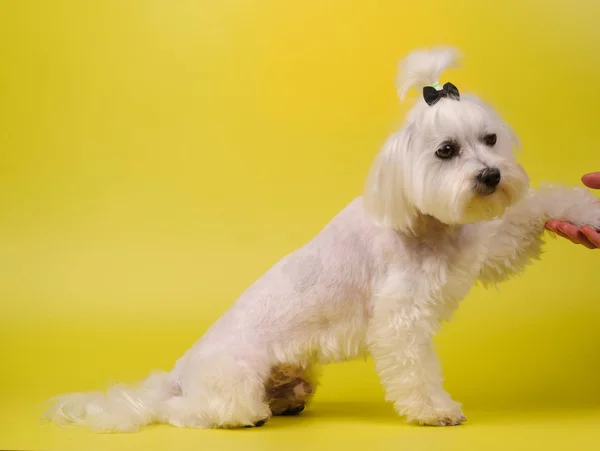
157, 156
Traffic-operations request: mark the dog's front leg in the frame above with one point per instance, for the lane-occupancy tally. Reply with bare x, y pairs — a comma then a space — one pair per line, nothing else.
400, 341
515, 240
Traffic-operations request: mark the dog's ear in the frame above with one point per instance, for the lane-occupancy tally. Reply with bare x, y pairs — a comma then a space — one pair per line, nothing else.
385, 196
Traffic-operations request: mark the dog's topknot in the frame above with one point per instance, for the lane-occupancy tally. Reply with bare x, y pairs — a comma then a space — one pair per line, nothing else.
424, 67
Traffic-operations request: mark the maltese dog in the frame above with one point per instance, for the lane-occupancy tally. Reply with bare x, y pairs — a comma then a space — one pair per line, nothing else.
445, 205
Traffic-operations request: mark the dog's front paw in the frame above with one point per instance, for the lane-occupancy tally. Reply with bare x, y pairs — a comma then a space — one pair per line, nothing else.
577, 206
441, 419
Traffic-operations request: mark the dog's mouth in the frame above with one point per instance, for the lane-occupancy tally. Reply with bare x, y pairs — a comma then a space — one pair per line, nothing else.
484, 190
487, 202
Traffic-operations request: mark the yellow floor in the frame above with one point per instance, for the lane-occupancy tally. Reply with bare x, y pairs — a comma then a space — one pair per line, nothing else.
349, 412
512, 401
370, 425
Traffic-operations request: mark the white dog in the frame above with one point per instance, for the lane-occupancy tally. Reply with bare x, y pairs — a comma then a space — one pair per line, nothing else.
445, 205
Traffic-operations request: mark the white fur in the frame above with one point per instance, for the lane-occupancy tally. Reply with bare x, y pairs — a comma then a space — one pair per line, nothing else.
425, 67
378, 279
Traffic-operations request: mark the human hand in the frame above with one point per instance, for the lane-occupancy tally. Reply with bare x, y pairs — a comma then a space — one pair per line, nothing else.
584, 235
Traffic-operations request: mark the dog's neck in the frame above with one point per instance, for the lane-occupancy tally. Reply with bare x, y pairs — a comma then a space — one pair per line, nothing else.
428, 229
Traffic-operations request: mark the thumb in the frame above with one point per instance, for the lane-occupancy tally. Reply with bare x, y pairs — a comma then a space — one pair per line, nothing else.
592, 180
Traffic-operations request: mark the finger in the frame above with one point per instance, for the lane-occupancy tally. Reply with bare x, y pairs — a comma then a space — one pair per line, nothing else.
591, 235
592, 180
552, 224
576, 235
585, 242
565, 236
572, 231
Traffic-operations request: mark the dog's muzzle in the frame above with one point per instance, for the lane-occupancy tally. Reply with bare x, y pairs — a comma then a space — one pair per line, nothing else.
487, 181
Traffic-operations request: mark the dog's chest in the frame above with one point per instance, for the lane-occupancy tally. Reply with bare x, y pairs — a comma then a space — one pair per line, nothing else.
442, 277
440, 274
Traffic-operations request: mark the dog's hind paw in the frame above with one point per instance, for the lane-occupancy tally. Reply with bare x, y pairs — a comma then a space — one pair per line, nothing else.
293, 410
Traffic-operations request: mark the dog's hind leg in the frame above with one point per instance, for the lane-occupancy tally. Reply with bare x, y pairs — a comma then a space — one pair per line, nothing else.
221, 393
289, 389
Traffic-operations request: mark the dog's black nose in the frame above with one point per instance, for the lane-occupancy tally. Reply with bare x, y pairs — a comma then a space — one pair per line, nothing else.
489, 177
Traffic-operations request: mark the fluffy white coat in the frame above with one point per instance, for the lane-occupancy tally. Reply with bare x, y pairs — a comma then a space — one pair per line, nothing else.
378, 279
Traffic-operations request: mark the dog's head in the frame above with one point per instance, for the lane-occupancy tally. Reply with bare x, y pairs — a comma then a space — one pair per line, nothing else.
453, 159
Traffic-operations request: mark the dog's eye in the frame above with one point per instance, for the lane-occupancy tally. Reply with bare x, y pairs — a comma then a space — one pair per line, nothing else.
490, 139
448, 150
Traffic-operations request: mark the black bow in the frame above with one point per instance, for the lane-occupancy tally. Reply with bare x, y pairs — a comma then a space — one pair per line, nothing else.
432, 95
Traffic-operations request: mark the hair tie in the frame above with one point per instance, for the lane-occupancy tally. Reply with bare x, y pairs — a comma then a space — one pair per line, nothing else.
433, 93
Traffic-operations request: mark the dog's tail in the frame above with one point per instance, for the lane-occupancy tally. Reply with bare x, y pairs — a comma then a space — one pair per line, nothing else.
121, 409
424, 67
